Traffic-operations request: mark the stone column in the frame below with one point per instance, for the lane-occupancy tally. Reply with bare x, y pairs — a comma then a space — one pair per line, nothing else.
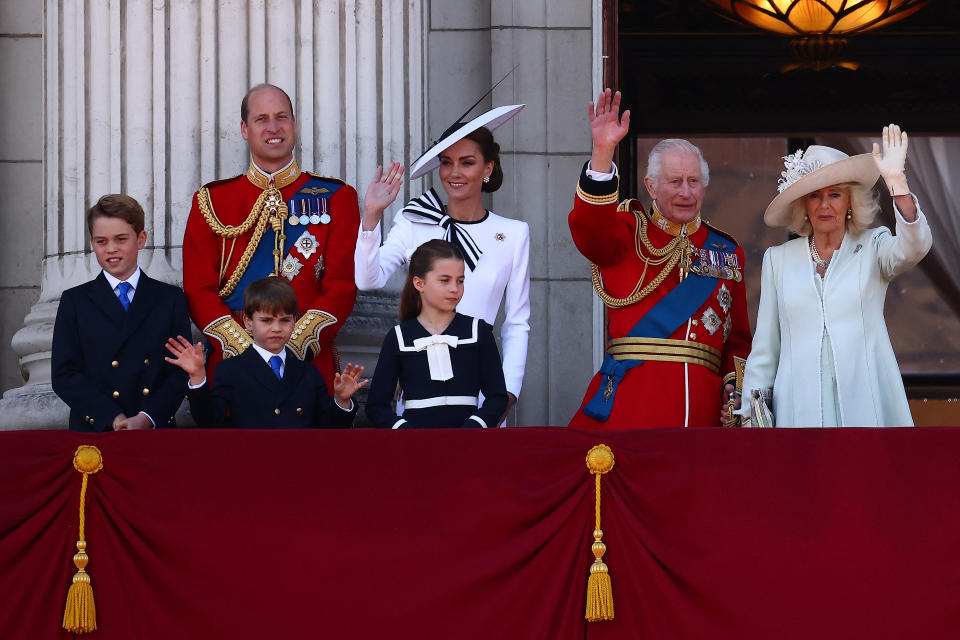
143, 97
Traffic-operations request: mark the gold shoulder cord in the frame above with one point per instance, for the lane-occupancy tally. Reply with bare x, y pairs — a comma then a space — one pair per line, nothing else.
258, 214
670, 253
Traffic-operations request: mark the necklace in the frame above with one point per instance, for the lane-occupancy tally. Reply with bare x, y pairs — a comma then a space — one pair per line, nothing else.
820, 262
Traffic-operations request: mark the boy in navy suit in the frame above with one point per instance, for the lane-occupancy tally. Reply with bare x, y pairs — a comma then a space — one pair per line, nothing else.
108, 358
266, 386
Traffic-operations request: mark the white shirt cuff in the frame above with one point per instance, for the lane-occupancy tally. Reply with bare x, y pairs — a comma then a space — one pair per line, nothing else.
601, 177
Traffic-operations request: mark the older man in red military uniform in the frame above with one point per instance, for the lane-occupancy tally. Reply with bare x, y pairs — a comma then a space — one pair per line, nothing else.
673, 287
273, 220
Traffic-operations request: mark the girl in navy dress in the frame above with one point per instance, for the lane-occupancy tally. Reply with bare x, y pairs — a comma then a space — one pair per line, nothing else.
442, 360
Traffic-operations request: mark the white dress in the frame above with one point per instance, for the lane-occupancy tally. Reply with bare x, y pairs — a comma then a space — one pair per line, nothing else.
797, 320
501, 274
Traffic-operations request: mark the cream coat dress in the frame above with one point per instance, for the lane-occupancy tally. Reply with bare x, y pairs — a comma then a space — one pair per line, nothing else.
793, 317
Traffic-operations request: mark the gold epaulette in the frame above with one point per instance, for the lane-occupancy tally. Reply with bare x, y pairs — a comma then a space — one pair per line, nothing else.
233, 338
722, 233
330, 178
306, 334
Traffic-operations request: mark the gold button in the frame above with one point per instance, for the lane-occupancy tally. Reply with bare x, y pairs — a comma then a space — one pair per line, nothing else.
91, 420
299, 411
276, 411
694, 322
116, 394
114, 364
146, 391
146, 361
693, 336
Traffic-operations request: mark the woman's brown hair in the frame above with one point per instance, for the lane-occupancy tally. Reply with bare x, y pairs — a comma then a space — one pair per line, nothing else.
421, 262
490, 150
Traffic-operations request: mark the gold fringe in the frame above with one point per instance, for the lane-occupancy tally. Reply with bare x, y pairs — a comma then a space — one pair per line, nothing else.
80, 612
599, 587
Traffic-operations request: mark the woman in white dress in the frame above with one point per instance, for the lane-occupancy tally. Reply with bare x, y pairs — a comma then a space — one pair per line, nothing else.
821, 342
496, 249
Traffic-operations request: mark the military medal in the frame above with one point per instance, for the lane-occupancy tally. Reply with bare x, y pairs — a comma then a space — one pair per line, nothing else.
324, 217
294, 219
306, 244
304, 218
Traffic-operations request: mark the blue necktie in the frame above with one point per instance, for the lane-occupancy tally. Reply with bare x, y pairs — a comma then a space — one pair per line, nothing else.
275, 364
123, 290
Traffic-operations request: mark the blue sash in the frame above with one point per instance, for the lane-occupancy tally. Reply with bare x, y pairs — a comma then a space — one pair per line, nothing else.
261, 263
660, 321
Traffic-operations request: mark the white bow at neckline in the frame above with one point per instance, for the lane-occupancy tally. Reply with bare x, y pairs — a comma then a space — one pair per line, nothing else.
438, 354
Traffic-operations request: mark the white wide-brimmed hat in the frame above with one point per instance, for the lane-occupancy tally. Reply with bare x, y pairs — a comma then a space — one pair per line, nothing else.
492, 119
817, 168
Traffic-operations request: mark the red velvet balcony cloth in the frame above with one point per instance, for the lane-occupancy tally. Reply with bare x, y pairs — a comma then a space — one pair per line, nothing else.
711, 533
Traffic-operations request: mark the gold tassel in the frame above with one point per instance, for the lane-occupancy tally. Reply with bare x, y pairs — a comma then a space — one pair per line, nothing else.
80, 613
599, 587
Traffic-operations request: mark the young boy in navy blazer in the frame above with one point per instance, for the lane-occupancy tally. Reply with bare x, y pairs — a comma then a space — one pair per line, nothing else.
266, 387
108, 340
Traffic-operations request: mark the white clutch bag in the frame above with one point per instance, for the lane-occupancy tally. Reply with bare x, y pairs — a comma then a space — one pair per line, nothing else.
761, 408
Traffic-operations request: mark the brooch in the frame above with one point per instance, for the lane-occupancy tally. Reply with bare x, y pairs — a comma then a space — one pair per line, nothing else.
499, 237
291, 267
306, 244
711, 320
725, 298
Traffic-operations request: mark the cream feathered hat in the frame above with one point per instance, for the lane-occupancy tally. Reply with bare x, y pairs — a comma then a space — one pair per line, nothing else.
817, 168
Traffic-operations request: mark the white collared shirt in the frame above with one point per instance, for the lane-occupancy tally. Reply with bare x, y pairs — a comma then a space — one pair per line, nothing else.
266, 355
133, 281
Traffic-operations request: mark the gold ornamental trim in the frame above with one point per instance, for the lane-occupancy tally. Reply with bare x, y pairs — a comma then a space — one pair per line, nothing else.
665, 350
669, 226
642, 342
600, 460
306, 333
671, 254
233, 338
281, 179
598, 200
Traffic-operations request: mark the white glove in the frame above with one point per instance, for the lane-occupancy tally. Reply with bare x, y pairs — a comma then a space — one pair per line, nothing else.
893, 159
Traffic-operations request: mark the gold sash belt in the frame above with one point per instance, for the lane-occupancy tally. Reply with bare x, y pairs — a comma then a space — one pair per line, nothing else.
664, 350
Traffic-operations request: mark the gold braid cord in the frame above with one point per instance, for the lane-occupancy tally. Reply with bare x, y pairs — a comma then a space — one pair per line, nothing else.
599, 588
80, 612
306, 334
671, 253
261, 215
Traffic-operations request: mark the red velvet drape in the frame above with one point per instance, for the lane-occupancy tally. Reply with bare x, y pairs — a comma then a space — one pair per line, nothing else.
711, 533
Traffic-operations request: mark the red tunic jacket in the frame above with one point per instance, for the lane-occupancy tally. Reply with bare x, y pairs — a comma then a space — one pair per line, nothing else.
656, 393
324, 284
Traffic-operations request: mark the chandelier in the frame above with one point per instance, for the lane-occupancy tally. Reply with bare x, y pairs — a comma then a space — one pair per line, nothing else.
819, 27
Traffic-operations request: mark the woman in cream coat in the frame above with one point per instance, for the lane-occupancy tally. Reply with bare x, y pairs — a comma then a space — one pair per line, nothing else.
821, 341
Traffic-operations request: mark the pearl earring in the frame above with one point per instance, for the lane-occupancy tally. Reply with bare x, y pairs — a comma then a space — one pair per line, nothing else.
486, 178
849, 214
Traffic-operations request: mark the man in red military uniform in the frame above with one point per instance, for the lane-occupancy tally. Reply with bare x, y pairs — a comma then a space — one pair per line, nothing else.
672, 285
275, 219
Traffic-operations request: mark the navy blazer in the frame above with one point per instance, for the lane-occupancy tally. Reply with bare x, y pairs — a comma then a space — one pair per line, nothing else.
246, 394
108, 361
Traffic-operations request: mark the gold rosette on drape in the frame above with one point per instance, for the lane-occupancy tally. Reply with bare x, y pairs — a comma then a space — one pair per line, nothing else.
599, 587
80, 613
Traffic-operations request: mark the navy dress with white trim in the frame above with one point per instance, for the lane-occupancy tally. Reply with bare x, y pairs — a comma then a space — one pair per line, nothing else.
441, 376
